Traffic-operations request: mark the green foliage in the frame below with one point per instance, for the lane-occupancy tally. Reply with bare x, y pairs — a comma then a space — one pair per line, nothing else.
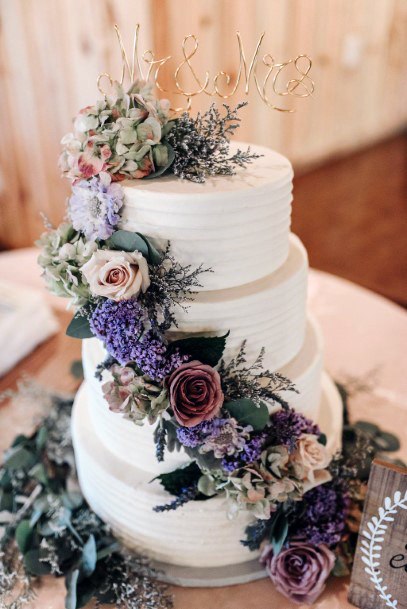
79, 327
58, 533
278, 531
176, 481
127, 241
207, 350
247, 412
171, 157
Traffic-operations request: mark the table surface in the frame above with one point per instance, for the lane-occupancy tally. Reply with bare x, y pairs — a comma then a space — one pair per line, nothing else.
365, 339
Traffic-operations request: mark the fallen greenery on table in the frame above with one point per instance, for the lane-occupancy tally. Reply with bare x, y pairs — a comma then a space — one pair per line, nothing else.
48, 528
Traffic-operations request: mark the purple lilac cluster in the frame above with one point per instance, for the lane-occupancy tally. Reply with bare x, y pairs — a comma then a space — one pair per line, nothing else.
120, 325
250, 452
320, 518
287, 426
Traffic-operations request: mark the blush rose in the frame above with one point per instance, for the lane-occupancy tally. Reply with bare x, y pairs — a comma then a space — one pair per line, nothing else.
300, 571
116, 275
195, 393
310, 460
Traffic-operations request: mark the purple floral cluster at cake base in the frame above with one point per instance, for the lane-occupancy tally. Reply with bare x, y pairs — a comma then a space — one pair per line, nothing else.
322, 515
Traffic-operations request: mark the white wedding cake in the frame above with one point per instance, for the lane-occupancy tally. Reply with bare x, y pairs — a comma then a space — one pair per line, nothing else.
239, 227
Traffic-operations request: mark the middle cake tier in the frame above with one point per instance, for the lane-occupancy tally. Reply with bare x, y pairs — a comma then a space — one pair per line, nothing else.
135, 443
269, 313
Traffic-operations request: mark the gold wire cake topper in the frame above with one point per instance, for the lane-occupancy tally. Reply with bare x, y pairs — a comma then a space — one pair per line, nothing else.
300, 86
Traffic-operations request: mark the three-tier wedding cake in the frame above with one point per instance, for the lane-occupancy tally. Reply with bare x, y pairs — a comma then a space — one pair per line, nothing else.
238, 226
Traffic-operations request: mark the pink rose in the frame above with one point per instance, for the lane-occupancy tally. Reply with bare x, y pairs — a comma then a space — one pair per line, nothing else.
299, 572
310, 460
195, 393
116, 275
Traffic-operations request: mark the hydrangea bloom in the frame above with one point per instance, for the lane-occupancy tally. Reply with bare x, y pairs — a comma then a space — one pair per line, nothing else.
94, 206
321, 516
120, 135
121, 326
63, 254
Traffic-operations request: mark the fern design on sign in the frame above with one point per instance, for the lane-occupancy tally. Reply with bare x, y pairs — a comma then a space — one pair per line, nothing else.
372, 544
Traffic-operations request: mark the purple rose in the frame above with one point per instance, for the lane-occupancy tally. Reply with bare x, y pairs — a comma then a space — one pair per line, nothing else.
195, 393
299, 572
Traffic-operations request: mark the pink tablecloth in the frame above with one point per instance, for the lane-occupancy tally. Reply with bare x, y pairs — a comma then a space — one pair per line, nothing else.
366, 338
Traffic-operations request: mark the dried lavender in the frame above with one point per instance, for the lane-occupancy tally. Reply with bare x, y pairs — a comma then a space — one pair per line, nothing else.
160, 439
201, 144
188, 493
252, 381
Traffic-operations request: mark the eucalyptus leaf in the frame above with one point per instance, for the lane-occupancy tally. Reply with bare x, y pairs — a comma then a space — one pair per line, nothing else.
385, 441
207, 486
322, 439
246, 412
38, 472
89, 557
71, 582
127, 241
206, 349
174, 482
79, 327
19, 458
367, 427
164, 168
6, 501
278, 532
77, 369
41, 438
340, 569
108, 550
24, 535
34, 565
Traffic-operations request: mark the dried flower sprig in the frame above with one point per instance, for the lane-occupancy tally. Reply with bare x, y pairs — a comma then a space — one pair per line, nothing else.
201, 144
171, 285
252, 381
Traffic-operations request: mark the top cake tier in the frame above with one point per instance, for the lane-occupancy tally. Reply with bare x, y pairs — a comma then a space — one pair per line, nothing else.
236, 225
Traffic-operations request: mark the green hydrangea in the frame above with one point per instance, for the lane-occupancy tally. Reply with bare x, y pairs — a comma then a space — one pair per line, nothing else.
63, 253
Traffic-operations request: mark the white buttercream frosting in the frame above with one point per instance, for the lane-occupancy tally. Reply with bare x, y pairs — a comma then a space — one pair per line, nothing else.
236, 225
240, 227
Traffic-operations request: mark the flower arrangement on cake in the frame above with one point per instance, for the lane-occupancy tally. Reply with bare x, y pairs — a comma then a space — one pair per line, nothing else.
243, 438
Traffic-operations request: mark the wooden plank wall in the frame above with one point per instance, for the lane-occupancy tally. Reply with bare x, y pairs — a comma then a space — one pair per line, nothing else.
52, 50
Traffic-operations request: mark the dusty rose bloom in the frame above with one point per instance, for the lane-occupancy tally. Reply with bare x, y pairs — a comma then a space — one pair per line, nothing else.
299, 572
116, 275
195, 393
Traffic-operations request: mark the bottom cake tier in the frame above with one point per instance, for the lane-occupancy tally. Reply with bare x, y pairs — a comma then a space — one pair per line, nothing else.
198, 534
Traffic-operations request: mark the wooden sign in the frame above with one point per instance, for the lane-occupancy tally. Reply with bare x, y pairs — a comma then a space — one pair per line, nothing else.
379, 576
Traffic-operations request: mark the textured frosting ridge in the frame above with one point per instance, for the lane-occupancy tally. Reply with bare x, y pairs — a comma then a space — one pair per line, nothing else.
236, 225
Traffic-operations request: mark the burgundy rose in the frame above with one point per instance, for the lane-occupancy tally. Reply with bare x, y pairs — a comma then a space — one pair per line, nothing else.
299, 572
195, 393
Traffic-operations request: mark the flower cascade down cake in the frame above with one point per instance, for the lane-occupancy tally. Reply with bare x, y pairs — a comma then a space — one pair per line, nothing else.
205, 429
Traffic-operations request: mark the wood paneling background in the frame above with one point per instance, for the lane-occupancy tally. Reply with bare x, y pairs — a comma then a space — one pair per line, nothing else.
51, 52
